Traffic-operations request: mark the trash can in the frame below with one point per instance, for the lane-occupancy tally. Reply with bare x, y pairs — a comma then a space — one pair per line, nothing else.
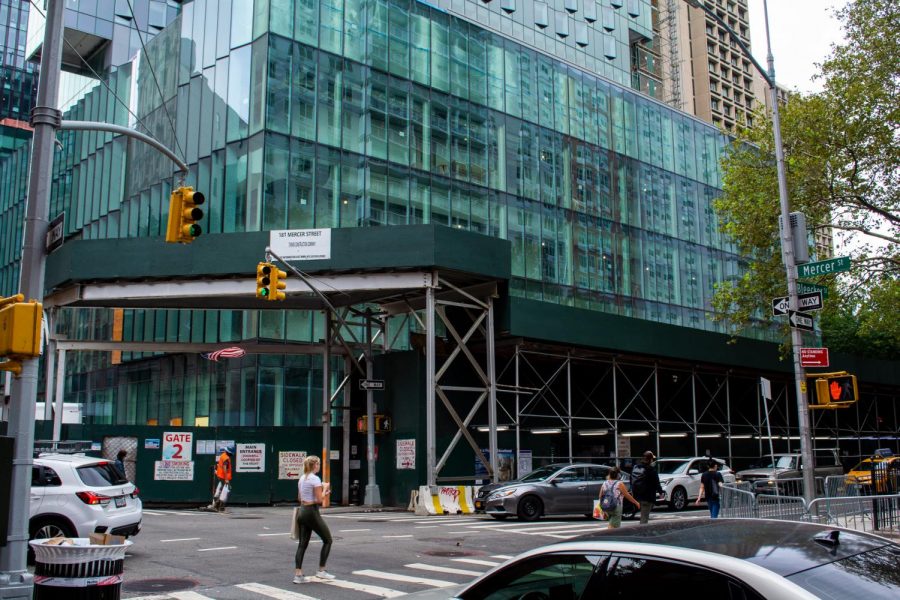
80, 571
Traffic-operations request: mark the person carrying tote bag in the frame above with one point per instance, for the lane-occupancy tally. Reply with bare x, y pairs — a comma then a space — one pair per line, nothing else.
612, 493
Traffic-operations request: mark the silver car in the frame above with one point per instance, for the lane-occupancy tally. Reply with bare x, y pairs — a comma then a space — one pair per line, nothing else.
554, 489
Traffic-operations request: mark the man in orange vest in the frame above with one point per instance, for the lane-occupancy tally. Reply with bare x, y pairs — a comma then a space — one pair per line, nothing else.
223, 476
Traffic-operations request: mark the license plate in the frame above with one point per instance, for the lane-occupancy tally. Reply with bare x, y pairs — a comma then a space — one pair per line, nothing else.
120, 501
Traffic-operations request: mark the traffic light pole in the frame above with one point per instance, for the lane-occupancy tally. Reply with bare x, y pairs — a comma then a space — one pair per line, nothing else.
15, 580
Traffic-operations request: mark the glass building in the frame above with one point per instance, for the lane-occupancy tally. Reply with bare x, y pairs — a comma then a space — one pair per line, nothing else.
366, 113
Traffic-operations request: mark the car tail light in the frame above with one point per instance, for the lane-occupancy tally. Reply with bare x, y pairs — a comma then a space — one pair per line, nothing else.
135, 492
92, 498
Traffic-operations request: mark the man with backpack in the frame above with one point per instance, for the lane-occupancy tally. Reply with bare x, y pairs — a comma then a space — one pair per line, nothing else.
645, 484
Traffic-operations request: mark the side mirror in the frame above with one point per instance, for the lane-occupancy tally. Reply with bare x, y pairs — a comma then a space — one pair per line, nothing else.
693, 472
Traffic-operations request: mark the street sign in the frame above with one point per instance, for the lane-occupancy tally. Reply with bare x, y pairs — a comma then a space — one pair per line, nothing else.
807, 303
55, 233
809, 288
371, 384
824, 267
800, 321
813, 357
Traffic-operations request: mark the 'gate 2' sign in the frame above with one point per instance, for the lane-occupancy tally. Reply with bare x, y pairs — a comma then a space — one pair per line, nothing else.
177, 445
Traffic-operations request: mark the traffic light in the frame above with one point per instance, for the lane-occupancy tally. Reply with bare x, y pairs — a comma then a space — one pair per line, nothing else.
184, 212
835, 390
20, 331
278, 284
263, 279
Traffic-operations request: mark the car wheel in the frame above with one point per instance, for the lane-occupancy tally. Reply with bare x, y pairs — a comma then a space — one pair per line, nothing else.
530, 508
679, 499
47, 528
500, 517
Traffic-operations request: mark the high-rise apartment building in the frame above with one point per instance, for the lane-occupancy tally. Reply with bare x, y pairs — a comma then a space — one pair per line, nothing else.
703, 71
17, 77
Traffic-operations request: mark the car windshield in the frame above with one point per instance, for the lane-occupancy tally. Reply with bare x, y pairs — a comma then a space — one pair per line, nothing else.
865, 465
102, 474
671, 467
540, 474
783, 462
872, 574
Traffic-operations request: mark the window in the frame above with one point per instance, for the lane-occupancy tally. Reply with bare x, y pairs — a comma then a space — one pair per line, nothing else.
557, 576
575, 474
102, 474
640, 577
44, 476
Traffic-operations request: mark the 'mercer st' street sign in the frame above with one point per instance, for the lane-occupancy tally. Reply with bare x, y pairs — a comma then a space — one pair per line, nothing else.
824, 267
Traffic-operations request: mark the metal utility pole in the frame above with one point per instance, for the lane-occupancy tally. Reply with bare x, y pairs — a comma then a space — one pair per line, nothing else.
15, 580
790, 267
373, 495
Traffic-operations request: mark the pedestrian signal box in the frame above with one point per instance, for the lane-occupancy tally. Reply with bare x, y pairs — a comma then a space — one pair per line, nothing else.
20, 331
834, 390
382, 424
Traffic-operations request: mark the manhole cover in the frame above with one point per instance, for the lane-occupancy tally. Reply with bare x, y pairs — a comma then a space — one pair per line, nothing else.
159, 585
452, 553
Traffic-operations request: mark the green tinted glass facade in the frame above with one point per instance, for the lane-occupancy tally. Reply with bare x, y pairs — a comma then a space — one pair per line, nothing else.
344, 113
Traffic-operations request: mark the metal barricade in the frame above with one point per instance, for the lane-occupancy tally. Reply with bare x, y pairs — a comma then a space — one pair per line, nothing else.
876, 514
841, 486
790, 508
737, 502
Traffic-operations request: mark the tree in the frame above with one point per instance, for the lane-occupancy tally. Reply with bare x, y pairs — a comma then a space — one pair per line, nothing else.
843, 170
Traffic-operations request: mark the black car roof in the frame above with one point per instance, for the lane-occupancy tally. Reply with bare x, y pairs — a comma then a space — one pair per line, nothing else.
784, 547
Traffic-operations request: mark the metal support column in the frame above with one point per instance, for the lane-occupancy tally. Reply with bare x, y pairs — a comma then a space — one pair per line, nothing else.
430, 423
615, 410
49, 365
656, 404
519, 472
728, 415
326, 404
569, 399
60, 393
694, 405
345, 446
492, 392
373, 495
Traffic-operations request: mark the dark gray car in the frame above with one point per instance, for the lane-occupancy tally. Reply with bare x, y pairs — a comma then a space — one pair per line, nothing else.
554, 489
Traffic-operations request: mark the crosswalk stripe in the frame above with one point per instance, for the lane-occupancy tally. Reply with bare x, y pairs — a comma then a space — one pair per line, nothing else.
477, 561
179, 540
440, 569
427, 526
272, 534
219, 548
362, 587
439, 583
189, 596
502, 556
553, 528
559, 536
273, 592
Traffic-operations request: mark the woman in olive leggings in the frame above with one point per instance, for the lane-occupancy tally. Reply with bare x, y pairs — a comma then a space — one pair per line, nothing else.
311, 494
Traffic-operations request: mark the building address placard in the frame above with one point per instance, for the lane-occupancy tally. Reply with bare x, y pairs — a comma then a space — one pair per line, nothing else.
301, 244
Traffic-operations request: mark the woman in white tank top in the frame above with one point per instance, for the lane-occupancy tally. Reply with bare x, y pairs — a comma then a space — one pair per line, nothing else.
311, 494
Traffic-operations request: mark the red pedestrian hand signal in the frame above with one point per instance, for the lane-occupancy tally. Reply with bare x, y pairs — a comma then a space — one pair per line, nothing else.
835, 390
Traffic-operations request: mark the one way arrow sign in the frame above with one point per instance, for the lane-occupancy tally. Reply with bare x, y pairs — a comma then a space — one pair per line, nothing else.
800, 321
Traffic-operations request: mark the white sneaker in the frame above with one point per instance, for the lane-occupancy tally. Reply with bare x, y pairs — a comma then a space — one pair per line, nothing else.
300, 579
325, 575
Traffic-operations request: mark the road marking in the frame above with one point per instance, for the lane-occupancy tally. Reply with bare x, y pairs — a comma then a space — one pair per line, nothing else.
220, 548
189, 596
349, 530
467, 531
559, 536
552, 528
502, 556
426, 526
273, 592
439, 583
409, 535
272, 534
440, 569
180, 540
477, 561
362, 587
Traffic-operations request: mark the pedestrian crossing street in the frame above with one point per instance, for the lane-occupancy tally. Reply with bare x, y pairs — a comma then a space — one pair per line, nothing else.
362, 583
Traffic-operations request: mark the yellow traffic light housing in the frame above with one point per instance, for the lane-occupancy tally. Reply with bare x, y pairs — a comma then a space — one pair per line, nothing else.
277, 284
184, 212
834, 390
264, 279
20, 331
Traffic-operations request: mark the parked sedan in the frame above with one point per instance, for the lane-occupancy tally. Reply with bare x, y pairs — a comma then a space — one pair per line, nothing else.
680, 478
730, 559
554, 489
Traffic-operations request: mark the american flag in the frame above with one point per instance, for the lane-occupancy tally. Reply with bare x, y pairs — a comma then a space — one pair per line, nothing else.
233, 352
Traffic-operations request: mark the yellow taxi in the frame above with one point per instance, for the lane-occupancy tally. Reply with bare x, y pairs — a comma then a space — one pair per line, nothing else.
884, 465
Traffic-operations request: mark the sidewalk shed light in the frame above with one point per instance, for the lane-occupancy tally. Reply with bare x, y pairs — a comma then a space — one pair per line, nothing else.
593, 432
708, 435
547, 431
635, 434
673, 435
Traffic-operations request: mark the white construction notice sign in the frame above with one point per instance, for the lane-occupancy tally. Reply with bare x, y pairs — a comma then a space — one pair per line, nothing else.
251, 458
173, 470
406, 454
301, 244
290, 464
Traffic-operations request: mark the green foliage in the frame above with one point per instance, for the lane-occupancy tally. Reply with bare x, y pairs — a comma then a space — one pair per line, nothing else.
842, 165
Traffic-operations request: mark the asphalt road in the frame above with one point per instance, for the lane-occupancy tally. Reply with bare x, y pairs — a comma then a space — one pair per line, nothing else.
247, 553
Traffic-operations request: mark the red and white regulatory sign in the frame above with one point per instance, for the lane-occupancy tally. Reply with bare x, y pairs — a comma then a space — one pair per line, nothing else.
813, 357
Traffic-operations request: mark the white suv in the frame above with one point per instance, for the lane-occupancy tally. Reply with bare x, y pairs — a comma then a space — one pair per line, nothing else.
680, 479
76, 495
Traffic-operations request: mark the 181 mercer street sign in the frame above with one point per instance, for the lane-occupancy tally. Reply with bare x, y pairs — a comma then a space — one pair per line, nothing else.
824, 267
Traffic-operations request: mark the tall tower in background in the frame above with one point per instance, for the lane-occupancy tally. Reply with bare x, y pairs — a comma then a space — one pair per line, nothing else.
19, 78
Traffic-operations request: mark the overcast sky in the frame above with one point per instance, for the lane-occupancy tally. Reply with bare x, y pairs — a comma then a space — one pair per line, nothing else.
802, 33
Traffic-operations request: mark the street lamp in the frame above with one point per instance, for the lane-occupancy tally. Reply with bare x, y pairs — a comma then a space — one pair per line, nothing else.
787, 241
